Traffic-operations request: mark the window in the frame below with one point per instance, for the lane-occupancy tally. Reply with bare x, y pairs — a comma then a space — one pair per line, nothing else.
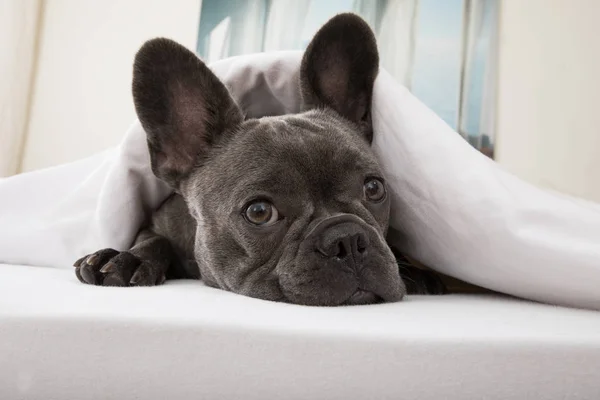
444, 51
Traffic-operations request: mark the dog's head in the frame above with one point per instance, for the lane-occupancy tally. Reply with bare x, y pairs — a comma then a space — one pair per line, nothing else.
290, 208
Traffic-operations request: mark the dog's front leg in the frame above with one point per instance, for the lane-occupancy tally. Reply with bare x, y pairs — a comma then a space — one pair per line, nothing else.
147, 263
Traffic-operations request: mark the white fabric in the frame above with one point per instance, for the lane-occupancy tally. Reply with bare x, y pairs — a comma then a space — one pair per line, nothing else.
453, 208
60, 339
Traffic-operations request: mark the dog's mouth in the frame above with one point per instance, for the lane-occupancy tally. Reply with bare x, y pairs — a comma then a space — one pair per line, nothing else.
361, 297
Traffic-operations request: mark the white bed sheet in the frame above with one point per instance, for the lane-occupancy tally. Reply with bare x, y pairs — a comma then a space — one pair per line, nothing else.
60, 339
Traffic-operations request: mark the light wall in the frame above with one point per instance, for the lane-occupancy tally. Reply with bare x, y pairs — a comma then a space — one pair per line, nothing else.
548, 125
81, 100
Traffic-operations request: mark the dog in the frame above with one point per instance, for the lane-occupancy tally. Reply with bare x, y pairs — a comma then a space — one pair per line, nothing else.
291, 208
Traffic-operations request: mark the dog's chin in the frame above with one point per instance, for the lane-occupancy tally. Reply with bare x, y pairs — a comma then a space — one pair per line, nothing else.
363, 297
342, 289
357, 298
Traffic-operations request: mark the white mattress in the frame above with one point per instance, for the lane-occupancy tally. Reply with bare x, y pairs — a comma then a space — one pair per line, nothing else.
60, 339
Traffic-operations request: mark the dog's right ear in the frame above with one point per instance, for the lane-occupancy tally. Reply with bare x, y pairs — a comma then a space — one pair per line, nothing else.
339, 68
184, 108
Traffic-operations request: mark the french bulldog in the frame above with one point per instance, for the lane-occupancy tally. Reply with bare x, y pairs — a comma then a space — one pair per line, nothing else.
290, 208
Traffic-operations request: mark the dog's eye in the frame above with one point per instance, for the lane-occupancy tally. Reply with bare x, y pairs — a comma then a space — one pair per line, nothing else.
261, 213
374, 190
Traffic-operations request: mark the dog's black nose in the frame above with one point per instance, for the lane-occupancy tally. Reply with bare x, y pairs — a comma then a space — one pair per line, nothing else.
345, 241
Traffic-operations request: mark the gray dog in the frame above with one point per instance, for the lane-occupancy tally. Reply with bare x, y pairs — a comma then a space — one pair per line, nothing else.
290, 208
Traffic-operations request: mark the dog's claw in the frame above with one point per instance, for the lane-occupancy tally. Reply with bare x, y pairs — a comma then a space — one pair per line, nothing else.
91, 260
108, 268
135, 279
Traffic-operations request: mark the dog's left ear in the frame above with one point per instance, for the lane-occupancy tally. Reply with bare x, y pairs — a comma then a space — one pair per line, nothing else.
339, 68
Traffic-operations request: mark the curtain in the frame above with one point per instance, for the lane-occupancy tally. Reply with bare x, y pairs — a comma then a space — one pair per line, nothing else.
285, 24
231, 28
396, 37
371, 11
19, 22
236, 27
467, 98
490, 83
478, 81
247, 28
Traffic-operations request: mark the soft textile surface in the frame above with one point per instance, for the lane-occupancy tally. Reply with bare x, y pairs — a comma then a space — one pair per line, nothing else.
60, 339
453, 208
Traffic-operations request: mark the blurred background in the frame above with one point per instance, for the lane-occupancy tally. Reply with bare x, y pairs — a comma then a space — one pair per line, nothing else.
518, 79
443, 50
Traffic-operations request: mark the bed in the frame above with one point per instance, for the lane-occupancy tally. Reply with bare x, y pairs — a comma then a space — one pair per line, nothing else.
60, 339
453, 209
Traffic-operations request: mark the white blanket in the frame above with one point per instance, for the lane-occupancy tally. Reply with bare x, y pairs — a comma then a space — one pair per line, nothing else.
452, 208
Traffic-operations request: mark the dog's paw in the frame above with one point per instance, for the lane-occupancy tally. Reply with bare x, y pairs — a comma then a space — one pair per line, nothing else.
424, 282
110, 267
